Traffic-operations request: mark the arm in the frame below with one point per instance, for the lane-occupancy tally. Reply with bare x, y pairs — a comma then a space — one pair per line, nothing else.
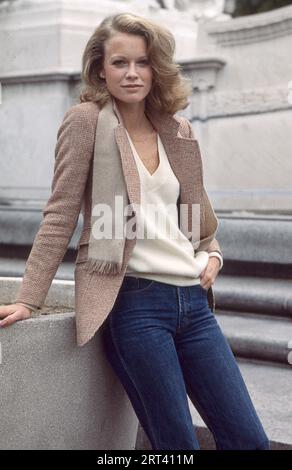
74, 149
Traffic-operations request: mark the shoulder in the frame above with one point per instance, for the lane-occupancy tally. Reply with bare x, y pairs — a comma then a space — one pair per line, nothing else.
79, 122
80, 118
76, 134
87, 111
185, 127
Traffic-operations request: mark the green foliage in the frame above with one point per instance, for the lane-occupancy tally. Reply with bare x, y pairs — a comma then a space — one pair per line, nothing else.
250, 7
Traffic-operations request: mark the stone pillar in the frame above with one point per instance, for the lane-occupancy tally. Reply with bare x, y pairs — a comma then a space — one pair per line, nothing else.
245, 129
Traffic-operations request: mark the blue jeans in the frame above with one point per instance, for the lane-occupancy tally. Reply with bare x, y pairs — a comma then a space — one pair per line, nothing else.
164, 343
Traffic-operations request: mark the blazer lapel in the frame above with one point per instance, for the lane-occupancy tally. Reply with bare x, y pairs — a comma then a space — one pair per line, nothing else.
130, 170
183, 155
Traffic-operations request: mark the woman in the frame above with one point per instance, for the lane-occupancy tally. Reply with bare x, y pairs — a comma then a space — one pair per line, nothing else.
153, 297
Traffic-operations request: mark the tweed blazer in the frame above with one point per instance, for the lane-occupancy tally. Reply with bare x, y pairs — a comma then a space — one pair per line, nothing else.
71, 190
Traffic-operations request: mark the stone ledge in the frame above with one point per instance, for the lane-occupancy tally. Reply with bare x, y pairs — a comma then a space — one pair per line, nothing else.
57, 396
252, 28
61, 292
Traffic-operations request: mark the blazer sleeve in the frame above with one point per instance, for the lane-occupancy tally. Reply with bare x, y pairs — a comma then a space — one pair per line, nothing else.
214, 246
73, 156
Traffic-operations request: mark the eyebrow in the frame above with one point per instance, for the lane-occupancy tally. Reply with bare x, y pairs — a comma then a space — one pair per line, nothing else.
116, 56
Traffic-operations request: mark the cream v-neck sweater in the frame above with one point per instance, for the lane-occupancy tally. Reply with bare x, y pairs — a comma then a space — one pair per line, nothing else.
162, 252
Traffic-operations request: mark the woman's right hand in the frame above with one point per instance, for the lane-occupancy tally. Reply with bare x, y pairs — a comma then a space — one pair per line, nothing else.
9, 314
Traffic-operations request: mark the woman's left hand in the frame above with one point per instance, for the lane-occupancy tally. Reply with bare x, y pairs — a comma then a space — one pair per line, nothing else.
210, 272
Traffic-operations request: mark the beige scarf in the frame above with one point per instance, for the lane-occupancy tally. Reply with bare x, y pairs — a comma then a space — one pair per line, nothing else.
105, 255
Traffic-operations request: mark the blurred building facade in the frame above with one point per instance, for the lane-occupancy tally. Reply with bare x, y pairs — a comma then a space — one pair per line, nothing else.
240, 71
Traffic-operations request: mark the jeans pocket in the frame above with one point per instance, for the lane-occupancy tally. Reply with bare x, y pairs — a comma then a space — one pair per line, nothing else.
135, 284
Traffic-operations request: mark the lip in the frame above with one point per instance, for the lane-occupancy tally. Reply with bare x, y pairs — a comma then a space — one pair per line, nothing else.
132, 86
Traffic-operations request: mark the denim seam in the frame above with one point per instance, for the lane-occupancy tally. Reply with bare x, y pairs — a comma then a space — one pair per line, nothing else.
129, 375
179, 309
137, 290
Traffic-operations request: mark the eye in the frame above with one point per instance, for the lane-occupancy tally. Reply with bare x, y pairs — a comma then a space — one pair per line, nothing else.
120, 61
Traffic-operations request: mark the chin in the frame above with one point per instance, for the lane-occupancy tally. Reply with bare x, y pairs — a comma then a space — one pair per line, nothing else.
127, 97
130, 99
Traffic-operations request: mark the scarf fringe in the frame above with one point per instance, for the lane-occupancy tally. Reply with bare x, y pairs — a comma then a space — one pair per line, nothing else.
103, 267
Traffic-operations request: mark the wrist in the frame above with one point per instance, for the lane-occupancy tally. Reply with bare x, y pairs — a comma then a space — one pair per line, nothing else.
217, 260
30, 309
216, 254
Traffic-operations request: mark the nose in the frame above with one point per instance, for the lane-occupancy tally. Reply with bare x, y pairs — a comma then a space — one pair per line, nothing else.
131, 72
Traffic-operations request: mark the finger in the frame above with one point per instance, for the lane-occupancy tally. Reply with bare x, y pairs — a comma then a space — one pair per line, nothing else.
207, 286
10, 319
203, 273
204, 283
6, 310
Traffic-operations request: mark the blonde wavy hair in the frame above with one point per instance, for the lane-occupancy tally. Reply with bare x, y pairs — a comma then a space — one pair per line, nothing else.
170, 89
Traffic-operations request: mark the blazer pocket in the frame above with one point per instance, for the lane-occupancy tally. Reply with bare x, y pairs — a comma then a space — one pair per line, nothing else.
85, 236
82, 254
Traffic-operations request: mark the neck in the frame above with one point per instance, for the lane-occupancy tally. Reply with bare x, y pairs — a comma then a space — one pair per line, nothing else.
132, 115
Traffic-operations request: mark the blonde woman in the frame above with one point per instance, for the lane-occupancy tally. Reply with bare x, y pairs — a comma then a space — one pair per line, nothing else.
150, 297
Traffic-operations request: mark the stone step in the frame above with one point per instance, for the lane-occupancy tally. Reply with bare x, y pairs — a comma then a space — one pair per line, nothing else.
19, 226
238, 233
254, 294
13, 267
241, 237
270, 388
257, 336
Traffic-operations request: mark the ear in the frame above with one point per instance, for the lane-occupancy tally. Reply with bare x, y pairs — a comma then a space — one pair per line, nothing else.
101, 74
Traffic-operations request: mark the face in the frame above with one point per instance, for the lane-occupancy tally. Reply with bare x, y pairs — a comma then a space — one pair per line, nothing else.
126, 63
